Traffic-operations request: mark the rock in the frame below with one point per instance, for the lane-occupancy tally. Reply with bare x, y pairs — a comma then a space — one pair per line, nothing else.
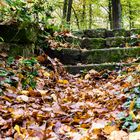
17, 49
95, 33
78, 33
132, 41
73, 40
13, 34
93, 43
67, 56
134, 32
115, 42
120, 32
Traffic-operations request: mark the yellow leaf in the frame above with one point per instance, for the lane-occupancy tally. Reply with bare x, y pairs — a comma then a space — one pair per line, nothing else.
63, 81
132, 104
108, 129
24, 92
20, 76
132, 114
17, 128
46, 74
7, 99
138, 128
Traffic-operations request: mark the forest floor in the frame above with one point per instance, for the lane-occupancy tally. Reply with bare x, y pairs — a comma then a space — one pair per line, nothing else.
40, 100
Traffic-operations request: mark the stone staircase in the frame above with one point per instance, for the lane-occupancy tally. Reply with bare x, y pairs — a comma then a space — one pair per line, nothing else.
100, 49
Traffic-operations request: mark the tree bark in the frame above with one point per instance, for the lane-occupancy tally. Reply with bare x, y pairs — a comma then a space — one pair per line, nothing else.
131, 22
90, 16
110, 13
116, 14
65, 4
69, 11
76, 17
83, 13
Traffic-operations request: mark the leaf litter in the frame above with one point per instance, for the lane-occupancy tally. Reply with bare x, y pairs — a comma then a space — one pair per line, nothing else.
40, 100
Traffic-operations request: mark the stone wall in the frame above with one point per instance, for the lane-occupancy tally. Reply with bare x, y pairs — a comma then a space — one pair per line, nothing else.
16, 41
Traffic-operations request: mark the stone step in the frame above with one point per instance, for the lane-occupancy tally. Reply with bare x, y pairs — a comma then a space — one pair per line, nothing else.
17, 49
14, 34
75, 69
95, 56
100, 43
104, 33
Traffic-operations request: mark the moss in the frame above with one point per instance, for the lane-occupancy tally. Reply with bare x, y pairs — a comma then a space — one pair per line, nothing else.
132, 41
119, 32
78, 33
12, 33
95, 33
115, 42
135, 31
109, 55
17, 49
73, 40
93, 43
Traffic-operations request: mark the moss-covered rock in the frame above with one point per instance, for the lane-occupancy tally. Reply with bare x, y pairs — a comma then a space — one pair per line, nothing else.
95, 33
133, 41
109, 55
121, 33
78, 33
72, 40
66, 55
93, 43
84, 68
25, 50
117, 32
12, 33
135, 32
115, 42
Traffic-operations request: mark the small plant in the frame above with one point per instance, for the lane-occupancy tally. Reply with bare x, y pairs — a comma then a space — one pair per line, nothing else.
130, 121
26, 13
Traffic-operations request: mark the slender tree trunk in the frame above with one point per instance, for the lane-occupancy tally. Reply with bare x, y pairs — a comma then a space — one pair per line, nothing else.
110, 13
83, 14
131, 22
90, 16
76, 17
65, 9
69, 11
116, 14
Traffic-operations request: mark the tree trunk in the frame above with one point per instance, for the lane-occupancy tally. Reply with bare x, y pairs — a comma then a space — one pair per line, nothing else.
76, 17
90, 16
65, 9
110, 13
83, 14
69, 11
131, 22
116, 14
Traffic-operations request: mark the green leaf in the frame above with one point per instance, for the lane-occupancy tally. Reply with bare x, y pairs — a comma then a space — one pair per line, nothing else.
133, 126
3, 73
121, 116
137, 90
10, 60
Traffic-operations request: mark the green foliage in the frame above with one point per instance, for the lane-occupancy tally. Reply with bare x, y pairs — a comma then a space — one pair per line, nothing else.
129, 121
26, 14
